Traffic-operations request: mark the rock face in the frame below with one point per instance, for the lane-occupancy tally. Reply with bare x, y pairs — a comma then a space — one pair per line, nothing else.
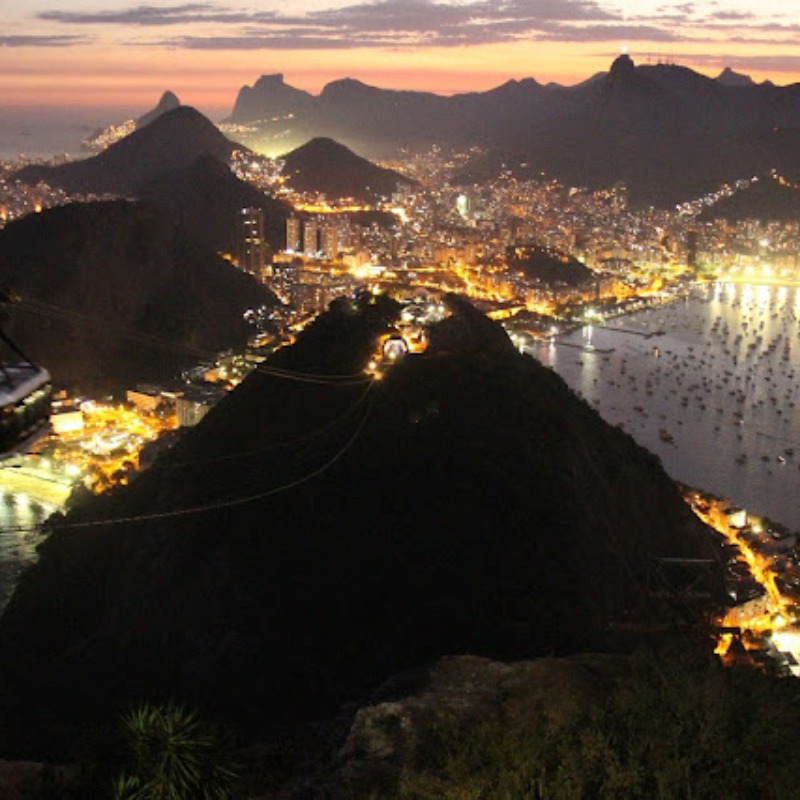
109, 293
172, 141
315, 535
323, 165
388, 735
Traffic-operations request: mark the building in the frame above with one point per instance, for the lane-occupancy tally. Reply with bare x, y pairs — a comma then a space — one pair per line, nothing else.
252, 249
195, 403
294, 230
145, 398
330, 240
311, 238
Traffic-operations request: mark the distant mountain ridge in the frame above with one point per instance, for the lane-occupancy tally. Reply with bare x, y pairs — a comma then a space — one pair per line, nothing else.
669, 132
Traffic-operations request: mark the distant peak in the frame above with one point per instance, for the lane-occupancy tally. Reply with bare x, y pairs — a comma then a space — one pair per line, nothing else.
168, 102
169, 99
323, 144
343, 85
729, 77
270, 80
623, 65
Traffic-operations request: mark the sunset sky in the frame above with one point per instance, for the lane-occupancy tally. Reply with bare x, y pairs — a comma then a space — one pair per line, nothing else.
115, 53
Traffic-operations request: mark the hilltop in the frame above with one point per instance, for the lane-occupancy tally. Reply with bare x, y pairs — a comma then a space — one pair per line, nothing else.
171, 141
169, 101
325, 166
548, 266
314, 535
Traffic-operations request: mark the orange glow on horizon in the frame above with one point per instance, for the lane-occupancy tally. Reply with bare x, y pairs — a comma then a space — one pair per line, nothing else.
98, 75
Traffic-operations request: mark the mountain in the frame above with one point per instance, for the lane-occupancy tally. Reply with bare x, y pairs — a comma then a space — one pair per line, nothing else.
548, 266
319, 532
730, 78
325, 166
767, 199
168, 102
109, 294
668, 132
172, 141
206, 199
268, 98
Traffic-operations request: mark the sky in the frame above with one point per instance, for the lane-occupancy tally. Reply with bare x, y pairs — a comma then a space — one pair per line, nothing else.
113, 53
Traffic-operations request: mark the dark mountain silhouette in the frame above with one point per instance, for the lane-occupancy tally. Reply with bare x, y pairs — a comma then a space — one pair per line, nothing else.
206, 199
548, 266
323, 165
767, 199
109, 294
729, 77
343, 531
269, 97
172, 141
168, 102
668, 132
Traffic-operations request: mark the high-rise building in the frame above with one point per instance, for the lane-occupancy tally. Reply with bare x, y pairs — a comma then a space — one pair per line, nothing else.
311, 238
293, 233
252, 253
330, 240
692, 237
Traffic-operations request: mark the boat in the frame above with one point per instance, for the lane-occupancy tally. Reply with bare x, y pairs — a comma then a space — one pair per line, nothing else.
665, 435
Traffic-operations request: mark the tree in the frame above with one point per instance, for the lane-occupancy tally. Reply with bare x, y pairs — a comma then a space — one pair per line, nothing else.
173, 755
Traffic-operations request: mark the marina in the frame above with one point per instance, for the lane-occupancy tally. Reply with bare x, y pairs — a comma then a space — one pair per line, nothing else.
714, 395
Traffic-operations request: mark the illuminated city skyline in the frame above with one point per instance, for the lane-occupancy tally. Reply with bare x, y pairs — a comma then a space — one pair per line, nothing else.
119, 53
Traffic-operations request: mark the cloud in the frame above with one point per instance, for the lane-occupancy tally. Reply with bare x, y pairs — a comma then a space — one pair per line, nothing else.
373, 23
414, 23
40, 41
610, 33
154, 16
764, 63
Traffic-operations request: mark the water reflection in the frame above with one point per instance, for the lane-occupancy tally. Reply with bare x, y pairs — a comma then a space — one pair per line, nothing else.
713, 395
18, 548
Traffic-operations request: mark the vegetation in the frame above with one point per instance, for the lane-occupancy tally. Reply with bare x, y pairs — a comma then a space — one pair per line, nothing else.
672, 729
173, 755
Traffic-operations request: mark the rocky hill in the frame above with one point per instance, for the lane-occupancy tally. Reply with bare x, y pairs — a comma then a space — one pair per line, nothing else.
325, 166
108, 293
318, 532
767, 199
548, 266
172, 141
